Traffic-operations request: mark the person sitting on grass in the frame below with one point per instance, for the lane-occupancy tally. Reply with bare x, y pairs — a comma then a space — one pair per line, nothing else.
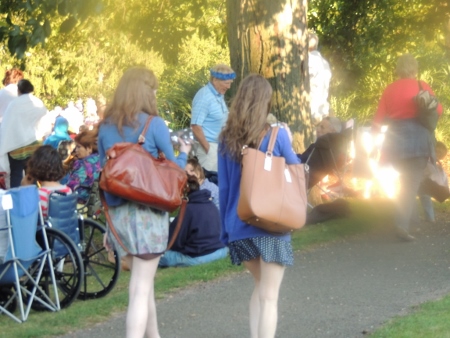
199, 239
45, 169
194, 168
328, 125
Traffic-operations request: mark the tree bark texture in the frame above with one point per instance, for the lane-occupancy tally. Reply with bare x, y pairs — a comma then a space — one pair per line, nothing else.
269, 37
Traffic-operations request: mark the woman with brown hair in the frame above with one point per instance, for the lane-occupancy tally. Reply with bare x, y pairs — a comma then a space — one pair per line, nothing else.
9, 93
143, 230
264, 254
193, 167
85, 167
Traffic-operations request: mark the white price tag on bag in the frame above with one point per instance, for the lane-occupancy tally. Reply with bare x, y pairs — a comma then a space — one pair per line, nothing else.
287, 174
268, 163
7, 203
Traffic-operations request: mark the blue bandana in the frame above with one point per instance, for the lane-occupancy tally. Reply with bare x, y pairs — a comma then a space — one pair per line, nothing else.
222, 76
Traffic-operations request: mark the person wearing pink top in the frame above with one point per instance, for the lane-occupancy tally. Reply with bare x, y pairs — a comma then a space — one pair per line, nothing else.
408, 145
45, 169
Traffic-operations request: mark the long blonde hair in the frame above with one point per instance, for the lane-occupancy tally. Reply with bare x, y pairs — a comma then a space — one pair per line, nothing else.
136, 92
248, 115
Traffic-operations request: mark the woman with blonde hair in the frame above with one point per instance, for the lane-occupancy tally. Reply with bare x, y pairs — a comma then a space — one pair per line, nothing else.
143, 230
264, 254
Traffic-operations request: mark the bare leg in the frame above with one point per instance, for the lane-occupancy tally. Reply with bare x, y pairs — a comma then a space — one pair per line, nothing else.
141, 315
264, 301
271, 278
254, 267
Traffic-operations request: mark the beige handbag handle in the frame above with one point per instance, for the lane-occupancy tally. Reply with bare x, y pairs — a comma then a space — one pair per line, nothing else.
272, 140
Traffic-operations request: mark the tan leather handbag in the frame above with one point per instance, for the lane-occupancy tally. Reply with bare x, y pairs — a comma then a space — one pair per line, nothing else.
272, 193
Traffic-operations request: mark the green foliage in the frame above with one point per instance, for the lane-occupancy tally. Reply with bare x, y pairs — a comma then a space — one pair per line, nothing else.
180, 82
90, 63
28, 22
362, 40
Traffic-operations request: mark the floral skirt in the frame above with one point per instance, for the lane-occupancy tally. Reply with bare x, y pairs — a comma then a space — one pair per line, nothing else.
144, 231
269, 248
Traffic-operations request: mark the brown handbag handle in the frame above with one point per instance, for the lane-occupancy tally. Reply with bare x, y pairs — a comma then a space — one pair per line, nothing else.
141, 138
116, 235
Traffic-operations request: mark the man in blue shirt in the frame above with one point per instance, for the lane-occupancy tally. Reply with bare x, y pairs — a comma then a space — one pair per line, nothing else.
209, 114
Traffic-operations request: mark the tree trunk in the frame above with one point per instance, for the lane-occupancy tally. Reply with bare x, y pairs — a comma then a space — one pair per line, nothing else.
269, 37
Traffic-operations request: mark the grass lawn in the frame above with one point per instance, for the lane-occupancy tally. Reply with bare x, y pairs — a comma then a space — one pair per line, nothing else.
427, 320
81, 314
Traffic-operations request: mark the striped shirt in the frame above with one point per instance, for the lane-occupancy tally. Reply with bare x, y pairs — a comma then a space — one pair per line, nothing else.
44, 196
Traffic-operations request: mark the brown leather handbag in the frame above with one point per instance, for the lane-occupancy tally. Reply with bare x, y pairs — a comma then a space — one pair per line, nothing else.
272, 193
132, 173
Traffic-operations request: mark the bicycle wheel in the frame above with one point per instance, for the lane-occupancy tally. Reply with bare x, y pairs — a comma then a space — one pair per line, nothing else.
7, 292
67, 266
100, 273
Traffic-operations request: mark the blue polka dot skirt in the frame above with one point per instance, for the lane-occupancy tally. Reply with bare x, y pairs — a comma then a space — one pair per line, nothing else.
271, 249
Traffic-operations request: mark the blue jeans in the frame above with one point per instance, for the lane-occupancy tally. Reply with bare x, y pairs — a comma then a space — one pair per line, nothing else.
428, 209
175, 258
411, 174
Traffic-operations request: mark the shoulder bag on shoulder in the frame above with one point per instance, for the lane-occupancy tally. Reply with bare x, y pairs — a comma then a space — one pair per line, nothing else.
427, 104
272, 193
132, 173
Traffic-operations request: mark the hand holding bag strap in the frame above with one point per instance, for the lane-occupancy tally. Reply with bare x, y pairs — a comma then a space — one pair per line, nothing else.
116, 235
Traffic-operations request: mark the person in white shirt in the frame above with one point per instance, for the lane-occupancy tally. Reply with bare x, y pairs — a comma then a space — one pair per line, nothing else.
319, 80
9, 93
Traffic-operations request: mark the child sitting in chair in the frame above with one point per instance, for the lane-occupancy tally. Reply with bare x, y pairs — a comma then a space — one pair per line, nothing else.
45, 169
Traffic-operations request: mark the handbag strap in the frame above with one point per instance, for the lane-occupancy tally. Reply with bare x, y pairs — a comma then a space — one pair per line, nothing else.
141, 138
116, 235
420, 85
273, 138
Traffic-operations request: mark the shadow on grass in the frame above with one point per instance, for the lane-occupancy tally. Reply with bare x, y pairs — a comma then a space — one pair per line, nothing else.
366, 216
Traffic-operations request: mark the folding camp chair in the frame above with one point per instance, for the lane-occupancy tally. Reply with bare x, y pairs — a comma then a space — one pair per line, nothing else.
329, 155
24, 259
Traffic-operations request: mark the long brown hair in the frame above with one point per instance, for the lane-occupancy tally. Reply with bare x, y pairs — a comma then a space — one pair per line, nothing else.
88, 138
248, 115
135, 93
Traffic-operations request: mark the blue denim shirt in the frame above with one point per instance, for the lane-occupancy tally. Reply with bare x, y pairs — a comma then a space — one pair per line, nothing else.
407, 138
